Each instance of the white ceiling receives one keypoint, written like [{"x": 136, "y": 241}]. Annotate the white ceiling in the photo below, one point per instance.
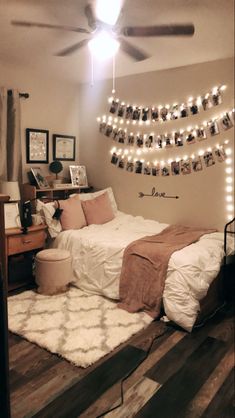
[{"x": 34, "y": 47}]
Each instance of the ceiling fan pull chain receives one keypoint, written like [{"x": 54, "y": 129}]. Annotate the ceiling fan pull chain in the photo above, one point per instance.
[
  {"x": 113, "y": 90},
  {"x": 92, "y": 70}
]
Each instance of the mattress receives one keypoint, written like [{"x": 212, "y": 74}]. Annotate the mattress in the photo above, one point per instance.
[{"x": 97, "y": 252}]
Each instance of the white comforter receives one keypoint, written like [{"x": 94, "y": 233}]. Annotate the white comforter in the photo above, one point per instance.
[{"x": 97, "y": 252}]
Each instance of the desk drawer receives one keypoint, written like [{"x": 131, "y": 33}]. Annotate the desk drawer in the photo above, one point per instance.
[{"x": 21, "y": 243}]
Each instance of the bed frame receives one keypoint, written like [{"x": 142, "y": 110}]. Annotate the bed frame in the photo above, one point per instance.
[{"x": 218, "y": 292}]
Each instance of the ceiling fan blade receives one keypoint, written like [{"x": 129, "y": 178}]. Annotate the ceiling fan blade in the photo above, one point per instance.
[
  {"x": 134, "y": 52},
  {"x": 92, "y": 22},
  {"x": 159, "y": 30},
  {"x": 70, "y": 49},
  {"x": 48, "y": 26}
]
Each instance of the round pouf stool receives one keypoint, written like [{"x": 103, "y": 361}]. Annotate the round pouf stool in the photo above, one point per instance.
[{"x": 53, "y": 271}]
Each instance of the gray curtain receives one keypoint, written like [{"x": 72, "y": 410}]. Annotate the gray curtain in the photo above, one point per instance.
[{"x": 10, "y": 136}]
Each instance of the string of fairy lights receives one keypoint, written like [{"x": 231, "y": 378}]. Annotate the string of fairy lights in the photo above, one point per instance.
[
  {"x": 167, "y": 140},
  {"x": 132, "y": 113},
  {"x": 136, "y": 139}
]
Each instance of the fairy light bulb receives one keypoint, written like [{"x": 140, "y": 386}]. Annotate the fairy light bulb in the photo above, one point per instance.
[
  {"x": 229, "y": 189},
  {"x": 229, "y": 198},
  {"x": 228, "y": 170}
]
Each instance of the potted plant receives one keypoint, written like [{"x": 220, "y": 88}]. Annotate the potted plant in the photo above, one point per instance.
[{"x": 56, "y": 167}]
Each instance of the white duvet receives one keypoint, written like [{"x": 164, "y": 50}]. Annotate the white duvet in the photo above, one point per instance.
[{"x": 97, "y": 252}]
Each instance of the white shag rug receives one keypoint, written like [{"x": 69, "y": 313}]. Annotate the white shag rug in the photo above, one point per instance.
[{"x": 79, "y": 327}]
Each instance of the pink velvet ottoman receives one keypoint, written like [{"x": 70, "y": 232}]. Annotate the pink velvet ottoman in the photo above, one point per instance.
[{"x": 53, "y": 271}]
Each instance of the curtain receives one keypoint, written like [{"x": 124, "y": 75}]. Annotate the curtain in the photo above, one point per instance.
[{"x": 10, "y": 138}]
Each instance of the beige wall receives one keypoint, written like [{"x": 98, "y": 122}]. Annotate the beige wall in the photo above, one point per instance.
[
  {"x": 202, "y": 194},
  {"x": 52, "y": 105}
]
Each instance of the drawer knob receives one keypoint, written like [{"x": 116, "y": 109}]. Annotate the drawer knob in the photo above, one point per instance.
[{"x": 27, "y": 241}]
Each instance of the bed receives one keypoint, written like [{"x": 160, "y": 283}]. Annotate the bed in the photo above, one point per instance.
[{"x": 97, "y": 252}]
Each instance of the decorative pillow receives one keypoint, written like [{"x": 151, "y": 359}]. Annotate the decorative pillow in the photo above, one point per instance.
[
  {"x": 89, "y": 196},
  {"x": 98, "y": 210},
  {"x": 47, "y": 210},
  {"x": 72, "y": 216}
]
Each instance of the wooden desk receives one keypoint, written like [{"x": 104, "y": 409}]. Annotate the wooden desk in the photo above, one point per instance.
[{"x": 17, "y": 243}]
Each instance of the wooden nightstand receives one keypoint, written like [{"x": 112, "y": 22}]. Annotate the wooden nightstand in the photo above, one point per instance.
[{"x": 20, "y": 250}]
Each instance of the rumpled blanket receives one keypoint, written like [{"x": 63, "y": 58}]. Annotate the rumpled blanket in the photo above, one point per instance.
[{"x": 144, "y": 267}]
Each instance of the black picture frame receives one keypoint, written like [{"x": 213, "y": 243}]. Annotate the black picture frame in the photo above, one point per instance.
[
  {"x": 37, "y": 146},
  {"x": 64, "y": 147}
]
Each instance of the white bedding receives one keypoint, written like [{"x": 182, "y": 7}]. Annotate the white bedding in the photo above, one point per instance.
[{"x": 97, "y": 252}]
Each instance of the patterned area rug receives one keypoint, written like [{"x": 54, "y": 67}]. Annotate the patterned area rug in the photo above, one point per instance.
[{"x": 79, "y": 327}]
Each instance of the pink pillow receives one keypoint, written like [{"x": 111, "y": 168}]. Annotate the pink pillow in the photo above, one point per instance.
[
  {"x": 72, "y": 216},
  {"x": 98, "y": 210}
]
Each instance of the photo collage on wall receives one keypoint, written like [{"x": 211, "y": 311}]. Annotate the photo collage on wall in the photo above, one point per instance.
[
  {"x": 174, "y": 139},
  {"x": 166, "y": 112},
  {"x": 174, "y": 168},
  {"x": 138, "y": 143}
]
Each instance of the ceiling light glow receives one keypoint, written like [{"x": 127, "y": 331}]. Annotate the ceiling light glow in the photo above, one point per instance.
[
  {"x": 108, "y": 11},
  {"x": 103, "y": 46}
]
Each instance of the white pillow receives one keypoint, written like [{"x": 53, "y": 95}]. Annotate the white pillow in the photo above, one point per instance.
[
  {"x": 47, "y": 210},
  {"x": 89, "y": 196}
]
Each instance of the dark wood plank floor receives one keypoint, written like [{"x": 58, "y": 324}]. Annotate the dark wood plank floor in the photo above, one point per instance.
[{"x": 184, "y": 375}]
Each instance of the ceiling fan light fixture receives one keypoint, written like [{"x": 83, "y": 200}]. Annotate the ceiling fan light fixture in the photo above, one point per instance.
[
  {"x": 108, "y": 11},
  {"x": 103, "y": 46}
]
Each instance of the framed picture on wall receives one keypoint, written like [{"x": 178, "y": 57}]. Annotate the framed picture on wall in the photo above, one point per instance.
[
  {"x": 64, "y": 147},
  {"x": 37, "y": 146},
  {"x": 78, "y": 175}
]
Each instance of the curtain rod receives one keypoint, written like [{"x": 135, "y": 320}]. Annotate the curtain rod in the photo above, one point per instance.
[{"x": 24, "y": 95}]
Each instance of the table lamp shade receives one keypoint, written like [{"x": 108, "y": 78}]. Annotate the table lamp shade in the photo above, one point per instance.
[{"x": 10, "y": 188}]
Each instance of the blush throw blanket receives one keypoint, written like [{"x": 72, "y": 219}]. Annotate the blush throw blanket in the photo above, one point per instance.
[{"x": 144, "y": 267}]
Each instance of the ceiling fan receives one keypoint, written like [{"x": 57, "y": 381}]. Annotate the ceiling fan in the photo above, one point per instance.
[{"x": 98, "y": 22}]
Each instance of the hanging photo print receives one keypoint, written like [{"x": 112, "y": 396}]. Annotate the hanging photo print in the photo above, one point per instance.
[
  {"x": 208, "y": 159},
  {"x": 190, "y": 138},
  {"x": 183, "y": 111},
  {"x": 139, "y": 140},
  {"x": 136, "y": 113},
  {"x": 148, "y": 141},
  {"x": 121, "y": 136},
  {"x": 156, "y": 170},
  {"x": 102, "y": 127},
  {"x": 131, "y": 139},
  {"x": 114, "y": 158},
  {"x": 226, "y": 122},
  {"x": 145, "y": 113},
  {"x": 206, "y": 103},
  {"x": 130, "y": 166},
  {"x": 194, "y": 108},
  {"x": 175, "y": 168},
  {"x": 121, "y": 110},
  {"x": 220, "y": 154},
  {"x": 121, "y": 162},
  {"x": 174, "y": 112},
  {"x": 200, "y": 133},
  {"x": 197, "y": 164},
  {"x": 213, "y": 127},
  {"x": 216, "y": 98},
  {"x": 178, "y": 138},
  {"x": 168, "y": 141},
  {"x": 154, "y": 114},
  {"x": 114, "y": 106},
  {"x": 163, "y": 113},
  {"x": 185, "y": 166},
  {"x": 108, "y": 130},
  {"x": 147, "y": 169},
  {"x": 138, "y": 167},
  {"x": 129, "y": 112},
  {"x": 165, "y": 170}
]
